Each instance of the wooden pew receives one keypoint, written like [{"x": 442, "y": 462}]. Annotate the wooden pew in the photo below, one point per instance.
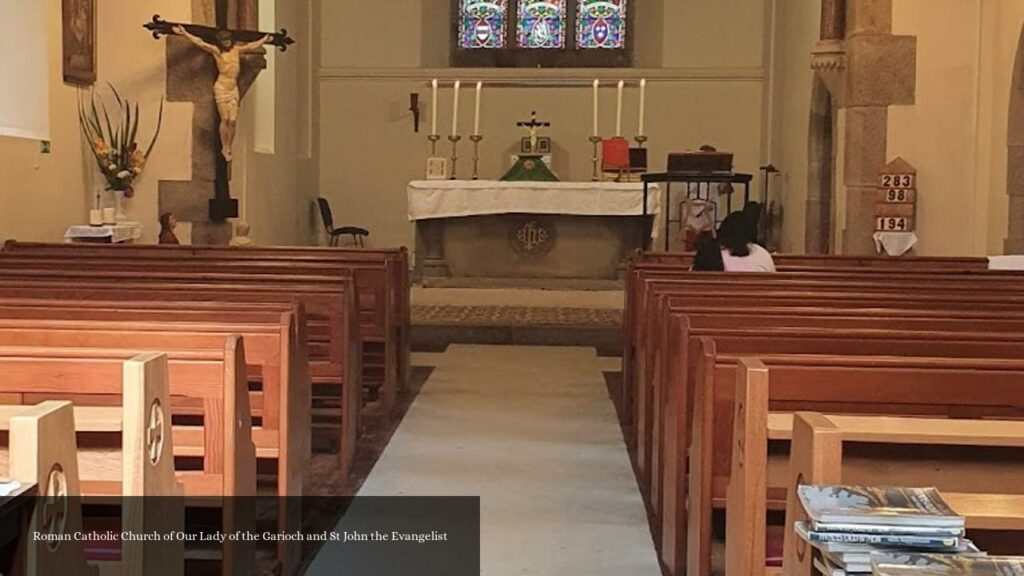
[
  {"x": 95, "y": 380},
  {"x": 678, "y": 436},
  {"x": 661, "y": 261},
  {"x": 333, "y": 345},
  {"x": 641, "y": 271},
  {"x": 755, "y": 476},
  {"x": 382, "y": 276},
  {"x": 329, "y": 304},
  {"x": 760, "y": 290},
  {"x": 676, "y": 363},
  {"x": 42, "y": 450},
  {"x": 933, "y": 380},
  {"x": 816, "y": 458},
  {"x": 649, "y": 384}
]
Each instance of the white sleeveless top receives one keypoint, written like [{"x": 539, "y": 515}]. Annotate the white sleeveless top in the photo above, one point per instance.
[{"x": 759, "y": 260}]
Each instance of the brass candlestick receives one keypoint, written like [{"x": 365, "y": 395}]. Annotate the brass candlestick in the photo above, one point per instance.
[
  {"x": 640, "y": 140},
  {"x": 476, "y": 138},
  {"x": 434, "y": 139},
  {"x": 595, "y": 140},
  {"x": 454, "y": 139}
]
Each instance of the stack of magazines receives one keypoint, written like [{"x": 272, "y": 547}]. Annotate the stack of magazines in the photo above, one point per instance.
[
  {"x": 918, "y": 564},
  {"x": 848, "y": 523}
]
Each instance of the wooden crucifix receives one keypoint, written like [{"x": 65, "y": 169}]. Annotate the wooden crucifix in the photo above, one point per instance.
[{"x": 226, "y": 47}]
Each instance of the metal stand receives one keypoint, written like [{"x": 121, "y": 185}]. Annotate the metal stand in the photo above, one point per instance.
[
  {"x": 476, "y": 138},
  {"x": 594, "y": 141},
  {"x": 454, "y": 139},
  {"x": 640, "y": 140},
  {"x": 434, "y": 139}
]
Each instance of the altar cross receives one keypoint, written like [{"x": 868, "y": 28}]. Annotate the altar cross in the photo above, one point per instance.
[{"x": 533, "y": 126}]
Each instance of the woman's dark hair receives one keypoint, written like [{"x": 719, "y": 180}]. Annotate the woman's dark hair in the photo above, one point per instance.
[
  {"x": 753, "y": 213},
  {"x": 709, "y": 254},
  {"x": 734, "y": 234}
]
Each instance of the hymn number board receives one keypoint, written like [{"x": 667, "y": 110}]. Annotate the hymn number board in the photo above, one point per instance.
[{"x": 896, "y": 202}]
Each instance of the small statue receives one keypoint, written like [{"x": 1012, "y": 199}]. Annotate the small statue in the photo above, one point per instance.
[
  {"x": 167, "y": 225},
  {"x": 228, "y": 56},
  {"x": 241, "y": 238}
]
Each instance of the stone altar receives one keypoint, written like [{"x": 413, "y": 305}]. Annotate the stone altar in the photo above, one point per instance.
[{"x": 528, "y": 233}]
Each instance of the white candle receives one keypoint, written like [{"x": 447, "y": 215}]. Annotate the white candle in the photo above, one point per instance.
[
  {"x": 643, "y": 105},
  {"x": 476, "y": 121},
  {"x": 597, "y": 86},
  {"x": 433, "y": 104},
  {"x": 618, "y": 112},
  {"x": 455, "y": 108}
]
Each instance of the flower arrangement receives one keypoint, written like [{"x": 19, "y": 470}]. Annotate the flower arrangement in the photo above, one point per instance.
[{"x": 117, "y": 153}]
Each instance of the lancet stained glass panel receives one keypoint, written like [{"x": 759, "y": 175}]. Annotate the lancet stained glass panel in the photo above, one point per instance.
[
  {"x": 541, "y": 23},
  {"x": 601, "y": 24},
  {"x": 482, "y": 23}
]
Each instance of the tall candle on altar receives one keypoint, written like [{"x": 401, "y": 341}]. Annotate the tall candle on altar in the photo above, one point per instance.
[
  {"x": 643, "y": 105},
  {"x": 433, "y": 105},
  {"x": 455, "y": 108},
  {"x": 476, "y": 121},
  {"x": 618, "y": 113},
  {"x": 597, "y": 86}
]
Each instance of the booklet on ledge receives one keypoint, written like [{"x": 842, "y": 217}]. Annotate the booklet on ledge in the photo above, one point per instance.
[{"x": 878, "y": 505}]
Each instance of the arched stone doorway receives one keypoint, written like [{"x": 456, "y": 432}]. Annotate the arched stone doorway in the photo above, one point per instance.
[
  {"x": 820, "y": 171},
  {"x": 1015, "y": 158}
]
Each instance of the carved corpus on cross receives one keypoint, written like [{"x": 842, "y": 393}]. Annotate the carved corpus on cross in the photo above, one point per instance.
[
  {"x": 533, "y": 126},
  {"x": 226, "y": 47}
]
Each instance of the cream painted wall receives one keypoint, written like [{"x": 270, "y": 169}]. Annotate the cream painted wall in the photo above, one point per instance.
[
  {"x": 41, "y": 195},
  {"x": 703, "y": 60},
  {"x": 277, "y": 190},
  {"x": 1003, "y": 23},
  {"x": 955, "y": 134},
  {"x": 797, "y": 32}
]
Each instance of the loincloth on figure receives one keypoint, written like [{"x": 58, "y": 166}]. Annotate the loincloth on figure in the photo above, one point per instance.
[{"x": 226, "y": 96}]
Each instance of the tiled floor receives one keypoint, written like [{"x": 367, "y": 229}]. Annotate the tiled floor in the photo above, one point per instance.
[{"x": 531, "y": 431}]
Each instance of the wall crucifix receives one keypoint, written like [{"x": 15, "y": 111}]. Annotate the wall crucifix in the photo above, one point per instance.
[{"x": 227, "y": 48}]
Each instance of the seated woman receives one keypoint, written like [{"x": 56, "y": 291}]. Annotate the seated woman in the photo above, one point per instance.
[
  {"x": 739, "y": 253},
  {"x": 733, "y": 250}
]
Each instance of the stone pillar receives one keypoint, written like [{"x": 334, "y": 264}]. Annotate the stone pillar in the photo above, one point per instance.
[
  {"x": 866, "y": 69},
  {"x": 833, "y": 19},
  {"x": 1015, "y": 158},
  {"x": 820, "y": 171}
]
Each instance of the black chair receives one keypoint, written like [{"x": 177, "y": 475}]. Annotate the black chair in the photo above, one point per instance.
[{"x": 336, "y": 233}]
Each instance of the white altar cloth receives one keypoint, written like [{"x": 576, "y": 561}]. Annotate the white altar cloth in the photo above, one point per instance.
[
  {"x": 432, "y": 199},
  {"x": 118, "y": 233}
]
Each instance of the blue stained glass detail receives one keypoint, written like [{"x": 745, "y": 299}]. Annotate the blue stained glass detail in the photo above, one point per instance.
[
  {"x": 482, "y": 23},
  {"x": 541, "y": 24},
  {"x": 601, "y": 24}
]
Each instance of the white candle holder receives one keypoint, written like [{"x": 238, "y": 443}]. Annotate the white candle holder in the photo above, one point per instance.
[
  {"x": 476, "y": 138},
  {"x": 595, "y": 141},
  {"x": 454, "y": 139}
]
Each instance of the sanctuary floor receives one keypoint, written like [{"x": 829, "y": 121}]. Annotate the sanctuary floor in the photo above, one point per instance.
[{"x": 533, "y": 432}]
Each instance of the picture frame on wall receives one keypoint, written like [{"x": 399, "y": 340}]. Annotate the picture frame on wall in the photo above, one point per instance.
[{"x": 79, "y": 41}]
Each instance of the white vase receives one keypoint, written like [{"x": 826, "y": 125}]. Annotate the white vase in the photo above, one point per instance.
[{"x": 119, "y": 206}]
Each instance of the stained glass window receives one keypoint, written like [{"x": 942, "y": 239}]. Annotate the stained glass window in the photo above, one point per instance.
[
  {"x": 541, "y": 24},
  {"x": 601, "y": 24},
  {"x": 482, "y": 23}
]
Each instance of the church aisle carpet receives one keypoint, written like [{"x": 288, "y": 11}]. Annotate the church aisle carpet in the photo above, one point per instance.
[
  {"x": 532, "y": 431},
  {"x": 514, "y": 316}
]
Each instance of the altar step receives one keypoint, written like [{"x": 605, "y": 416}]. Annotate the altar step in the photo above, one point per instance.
[{"x": 441, "y": 317}]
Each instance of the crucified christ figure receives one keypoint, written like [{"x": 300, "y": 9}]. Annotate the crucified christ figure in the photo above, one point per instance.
[{"x": 228, "y": 56}]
